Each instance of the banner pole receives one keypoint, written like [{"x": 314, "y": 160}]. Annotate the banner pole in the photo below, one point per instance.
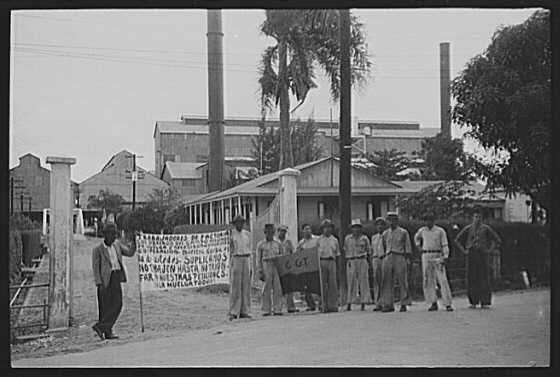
[
  {"x": 140, "y": 291},
  {"x": 321, "y": 283}
]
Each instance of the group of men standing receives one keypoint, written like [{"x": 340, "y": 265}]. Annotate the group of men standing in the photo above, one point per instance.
[{"x": 388, "y": 252}]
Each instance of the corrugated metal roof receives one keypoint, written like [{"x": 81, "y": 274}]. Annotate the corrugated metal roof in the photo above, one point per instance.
[{"x": 184, "y": 170}]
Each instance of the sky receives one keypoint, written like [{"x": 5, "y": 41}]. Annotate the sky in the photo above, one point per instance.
[{"x": 90, "y": 83}]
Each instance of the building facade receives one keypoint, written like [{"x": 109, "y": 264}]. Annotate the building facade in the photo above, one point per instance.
[
  {"x": 187, "y": 140},
  {"x": 31, "y": 194},
  {"x": 115, "y": 177}
]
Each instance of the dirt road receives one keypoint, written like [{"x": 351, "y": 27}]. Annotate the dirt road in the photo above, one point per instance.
[{"x": 515, "y": 332}]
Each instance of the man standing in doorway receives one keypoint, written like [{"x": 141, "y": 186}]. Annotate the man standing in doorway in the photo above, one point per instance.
[
  {"x": 396, "y": 241},
  {"x": 109, "y": 273},
  {"x": 432, "y": 241},
  {"x": 287, "y": 249},
  {"x": 479, "y": 240},
  {"x": 357, "y": 248},
  {"x": 309, "y": 241},
  {"x": 272, "y": 291},
  {"x": 240, "y": 271},
  {"x": 378, "y": 252},
  {"x": 329, "y": 250}
]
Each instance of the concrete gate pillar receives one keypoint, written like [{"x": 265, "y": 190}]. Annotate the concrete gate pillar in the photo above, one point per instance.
[
  {"x": 60, "y": 242},
  {"x": 288, "y": 202}
]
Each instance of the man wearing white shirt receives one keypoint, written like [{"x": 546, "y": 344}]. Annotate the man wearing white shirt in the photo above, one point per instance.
[{"x": 432, "y": 241}]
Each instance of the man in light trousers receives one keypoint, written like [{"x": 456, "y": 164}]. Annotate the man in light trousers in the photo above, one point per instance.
[
  {"x": 432, "y": 241},
  {"x": 357, "y": 248},
  {"x": 272, "y": 291},
  {"x": 377, "y": 254},
  {"x": 240, "y": 271},
  {"x": 329, "y": 253},
  {"x": 398, "y": 248}
]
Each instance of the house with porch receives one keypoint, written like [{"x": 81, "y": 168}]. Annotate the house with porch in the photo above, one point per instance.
[{"x": 317, "y": 196}]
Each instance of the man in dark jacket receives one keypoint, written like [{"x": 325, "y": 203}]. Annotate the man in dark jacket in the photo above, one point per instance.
[{"x": 109, "y": 273}]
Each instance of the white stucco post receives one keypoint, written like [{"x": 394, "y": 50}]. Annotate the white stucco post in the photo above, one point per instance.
[
  {"x": 288, "y": 202},
  {"x": 45, "y": 210},
  {"x": 211, "y": 213},
  {"x": 60, "y": 243},
  {"x": 239, "y": 208}
]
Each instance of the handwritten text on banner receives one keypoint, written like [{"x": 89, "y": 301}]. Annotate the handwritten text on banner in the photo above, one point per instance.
[{"x": 182, "y": 260}]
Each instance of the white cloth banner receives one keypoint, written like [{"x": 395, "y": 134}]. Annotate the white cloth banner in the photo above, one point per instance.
[{"x": 167, "y": 261}]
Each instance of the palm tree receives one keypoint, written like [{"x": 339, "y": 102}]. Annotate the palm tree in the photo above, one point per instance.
[{"x": 304, "y": 39}]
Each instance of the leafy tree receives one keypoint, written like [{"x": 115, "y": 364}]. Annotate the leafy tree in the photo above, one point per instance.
[
  {"x": 447, "y": 200},
  {"x": 445, "y": 159},
  {"x": 302, "y": 137},
  {"x": 106, "y": 200},
  {"x": 503, "y": 98},
  {"x": 387, "y": 163},
  {"x": 304, "y": 39}
]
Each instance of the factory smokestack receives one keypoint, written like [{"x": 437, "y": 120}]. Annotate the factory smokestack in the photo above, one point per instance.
[
  {"x": 445, "y": 92},
  {"x": 215, "y": 100}
]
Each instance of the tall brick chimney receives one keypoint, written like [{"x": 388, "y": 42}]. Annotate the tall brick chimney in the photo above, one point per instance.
[
  {"x": 215, "y": 101},
  {"x": 445, "y": 90}
]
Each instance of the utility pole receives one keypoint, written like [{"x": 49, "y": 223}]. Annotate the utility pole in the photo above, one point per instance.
[
  {"x": 12, "y": 188},
  {"x": 29, "y": 207},
  {"x": 134, "y": 176},
  {"x": 345, "y": 190}
]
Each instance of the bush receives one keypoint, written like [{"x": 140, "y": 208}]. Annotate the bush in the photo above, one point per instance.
[{"x": 16, "y": 256}]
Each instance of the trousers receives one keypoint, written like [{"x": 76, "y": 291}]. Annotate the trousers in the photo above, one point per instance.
[
  {"x": 272, "y": 290},
  {"x": 109, "y": 303},
  {"x": 377, "y": 271},
  {"x": 357, "y": 278},
  {"x": 330, "y": 288},
  {"x": 240, "y": 286},
  {"x": 434, "y": 273},
  {"x": 394, "y": 269},
  {"x": 478, "y": 278}
]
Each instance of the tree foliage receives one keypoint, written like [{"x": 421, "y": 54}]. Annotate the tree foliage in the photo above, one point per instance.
[
  {"x": 503, "y": 98},
  {"x": 445, "y": 159},
  {"x": 302, "y": 137},
  {"x": 447, "y": 200},
  {"x": 304, "y": 39},
  {"x": 106, "y": 200},
  {"x": 387, "y": 163}
]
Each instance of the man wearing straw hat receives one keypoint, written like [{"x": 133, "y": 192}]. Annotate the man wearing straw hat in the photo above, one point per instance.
[
  {"x": 287, "y": 249},
  {"x": 109, "y": 273},
  {"x": 396, "y": 241},
  {"x": 328, "y": 250},
  {"x": 240, "y": 270},
  {"x": 268, "y": 249},
  {"x": 377, "y": 254},
  {"x": 357, "y": 248}
]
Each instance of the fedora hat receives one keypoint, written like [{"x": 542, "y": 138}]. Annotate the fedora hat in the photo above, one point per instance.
[
  {"x": 325, "y": 223},
  {"x": 237, "y": 219},
  {"x": 380, "y": 220},
  {"x": 283, "y": 227},
  {"x": 392, "y": 214}
]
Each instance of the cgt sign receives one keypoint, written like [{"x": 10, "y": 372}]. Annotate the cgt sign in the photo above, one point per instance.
[{"x": 297, "y": 263}]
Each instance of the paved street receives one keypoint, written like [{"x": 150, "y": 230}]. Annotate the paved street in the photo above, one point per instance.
[{"x": 515, "y": 332}]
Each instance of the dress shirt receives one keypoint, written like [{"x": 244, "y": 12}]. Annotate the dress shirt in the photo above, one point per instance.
[
  {"x": 352, "y": 246},
  {"x": 308, "y": 243},
  {"x": 397, "y": 241},
  {"x": 377, "y": 245},
  {"x": 328, "y": 247},
  {"x": 287, "y": 246},
  {"x": 240, "y": 242},
  {"x": 267, "y": 250},
  {"x": 433, "y": 239},
  {"x": 478, "y": 237},
  {"x": 115, "y": 265}
]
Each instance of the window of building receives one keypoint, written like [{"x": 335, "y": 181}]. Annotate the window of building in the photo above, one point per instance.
[
  {"x": 168, "y": 157},
  {"x": 370, "y": 211},
  {"x": 321, "y": 209}
]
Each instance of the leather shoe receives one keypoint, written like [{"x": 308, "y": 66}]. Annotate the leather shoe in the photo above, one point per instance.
[
  {"x": 310, "y": 309},
  {"x": 387, "y": 310},
  {"x": 293, "y": 311},
  {"x": 266, "y": 314},
  {"x": 232, "y": 317},
  {"x": 98, "y": 332},
  {"x": 449, "y": 308},
  {"x": 377, "y": 308},
  {"x": 432, "y": 308},
  {"x": 245, "y": 316},
  {"x": 403, "y": 308},
  {"x": 111, "y": 335},
  {"x": 278, "y": 313},
  {"x": 349, "y": 307}
]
